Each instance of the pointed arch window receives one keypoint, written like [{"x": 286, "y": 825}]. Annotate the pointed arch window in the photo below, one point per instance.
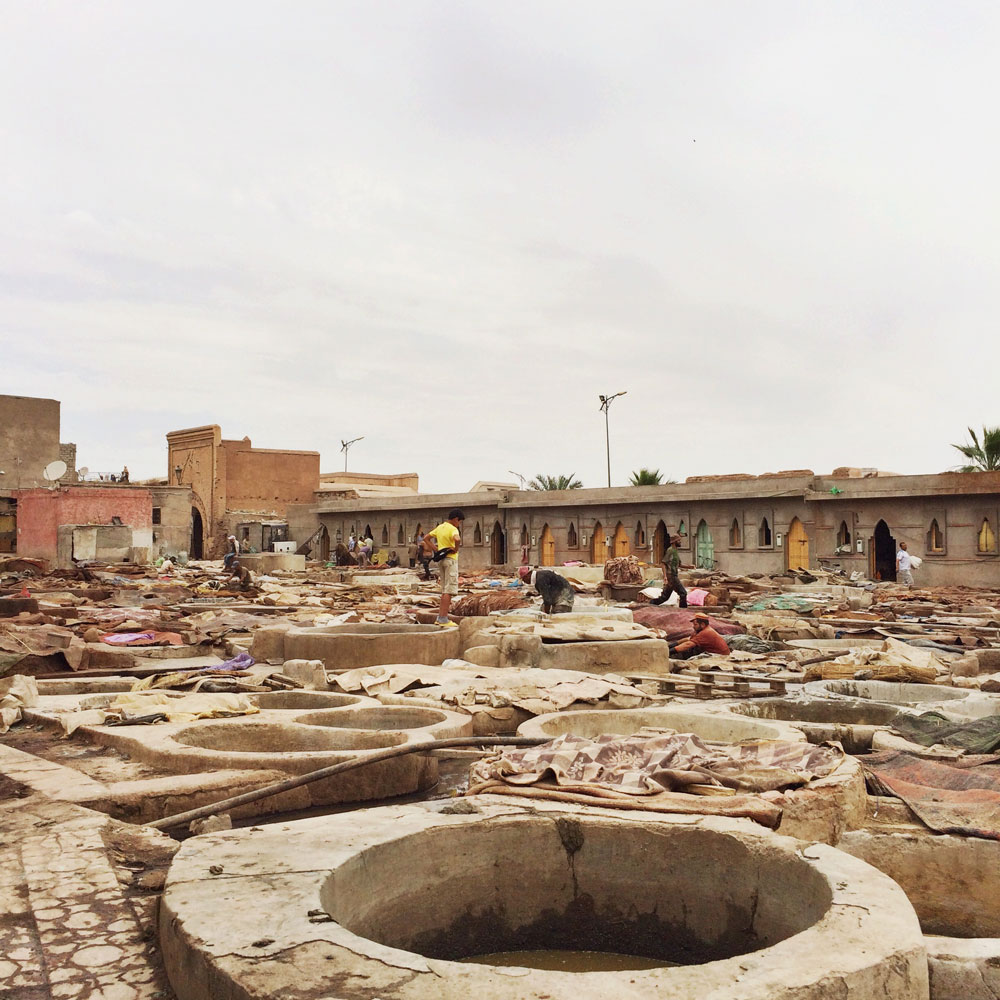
[
  {"x": 986, "y": 541},
  {"x": 524, "y": 534},
  {"x": 843, "y": 536},
  {"x": 935, "y": 537},
  {"x": 571, "y": 540},
  {"x": 640, "y": 535},
  {"x": 477, "y": 535},
  {"x": 385, "y": 534},
  {"x": 735, "y": 534},
  {"x": 765, "y": 538},
  {"x": 400, "y": 536}
]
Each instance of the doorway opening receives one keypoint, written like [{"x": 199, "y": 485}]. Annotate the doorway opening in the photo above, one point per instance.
[
  {"x": 598, "y": 545},
  {"x": 882, "y": 562},
  {"x": 621, "y": 546},
  {"x": 660, "y": 541},
  {"x": 197, "y": 535},
  {"x": 548, "y": 546},
  {"x": 704, "y": 547},
  {"x": 498, "y": 545},
  {"x": 796, "y": 546}
]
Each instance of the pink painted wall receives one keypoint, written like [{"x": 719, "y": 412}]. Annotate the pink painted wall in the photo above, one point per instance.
[{"x": 40, "y": 512}]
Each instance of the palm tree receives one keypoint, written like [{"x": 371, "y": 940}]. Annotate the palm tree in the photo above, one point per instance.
[
  {"x": 541, "y": 482},
  {"x": 983, "y": 457},
  {"x": 646, "y": 477}
]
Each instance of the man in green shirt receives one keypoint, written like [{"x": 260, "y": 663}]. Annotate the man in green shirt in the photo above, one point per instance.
[{"x": 671, "y": 574}]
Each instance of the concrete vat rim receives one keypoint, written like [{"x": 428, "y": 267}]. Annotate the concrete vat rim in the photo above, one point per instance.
[
  {"x": 621, "y": 721},
  {"x": 867, "y": 942}
]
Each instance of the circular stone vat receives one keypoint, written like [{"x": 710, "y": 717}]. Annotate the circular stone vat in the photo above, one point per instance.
[
  {"x": 851, "y": 723},
  {"x": 743, "y": 913},
  {"x": 952, "y": 883},
  {"x": 381, "y": 718},
  {"x": 105, "y": 700},
  {"x": 346, "y": 647},
  {"x": 822, "y": 810},
  {"x": 486, "y": 903},
  {"x": 886, "y": 691},
  {"x": 717, "y": 727},
  {"x": 84, "y": 686},
  {"x": 862, "y": 713},
  {"x": 835, "y": 645},
  {"x": 284, "y": 700},
  {"x": 268, "y": 738}
]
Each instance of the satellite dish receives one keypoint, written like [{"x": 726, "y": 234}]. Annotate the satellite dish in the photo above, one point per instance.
[
  {"x": 54, "y": 471},
  {"x": 83, "y": 473}
]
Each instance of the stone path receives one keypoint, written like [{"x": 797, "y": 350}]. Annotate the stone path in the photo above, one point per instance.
[{"x": 73, "y": 922}]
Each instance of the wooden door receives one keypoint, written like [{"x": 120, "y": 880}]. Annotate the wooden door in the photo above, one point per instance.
[
  {"x": 620, "y": 544},
  {"x": 660, "y": 542},
  {"x": 796, "y": 546},
  {"x": 8, "y": 532},
  {"x": 704, "y": 547},
  {"x": 548, "y": 547},
  {"x": 598, "y": 546}
]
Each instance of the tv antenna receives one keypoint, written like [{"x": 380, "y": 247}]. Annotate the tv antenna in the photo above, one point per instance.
[{"x": 344, "y": 445}]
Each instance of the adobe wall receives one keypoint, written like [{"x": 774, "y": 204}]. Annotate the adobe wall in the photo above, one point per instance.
[
  {"x": 197, "y": 454},
  {"x": 400, "y": 527},
  {"x": 407, "y": 479},
  {"x": 29, "y": 440},
  {"x": 908, "y": 504},
  {"x": 41, "y": 513},
  {"x": 173, "y": 533},
  {"x": 909, "y": 520},
  {"x": 265, "y": 480}
]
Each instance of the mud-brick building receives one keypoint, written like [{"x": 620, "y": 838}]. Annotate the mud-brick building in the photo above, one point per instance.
[
  {"x": 85, "y": 522},
  {"x": 29, "y": 443},
  {"x": 236, "y": 488},
  {"x": 738, "y": 524}
]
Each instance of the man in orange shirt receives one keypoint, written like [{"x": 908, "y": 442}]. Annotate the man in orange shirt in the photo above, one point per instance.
[{"x": 704, "y": 640}]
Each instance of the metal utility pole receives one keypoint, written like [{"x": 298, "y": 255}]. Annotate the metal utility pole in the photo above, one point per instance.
[
  {"x": 344, "y": 445},
  {"x": 606, "y": 402},
  {"x": 519, "y": 476}
]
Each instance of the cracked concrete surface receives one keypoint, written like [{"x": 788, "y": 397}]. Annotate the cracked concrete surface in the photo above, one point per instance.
[{"x": 72, "y": 923}]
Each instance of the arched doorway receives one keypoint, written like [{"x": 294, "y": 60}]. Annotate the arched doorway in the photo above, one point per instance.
[
  {"x": 598, "y": 545},
  {"x": 197, "y": 535},
  {"x": 660, "y": 542},
  {"x": 797, "y": 546},
  {"x": 498, "y": 545},
  {"x": 620, "y": 546},
  {"x": 704, "y": 547},
  {"x": 548, "y": 547},
  {"x": 324, "y": 544},
  {"x": 882, "y": 553}
]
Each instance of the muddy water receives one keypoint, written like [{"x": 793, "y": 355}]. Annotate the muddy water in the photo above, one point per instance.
[{"x": 570, "y": 961}]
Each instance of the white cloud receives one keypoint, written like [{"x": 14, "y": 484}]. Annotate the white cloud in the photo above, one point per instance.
[{"x": 448, "y": 227}]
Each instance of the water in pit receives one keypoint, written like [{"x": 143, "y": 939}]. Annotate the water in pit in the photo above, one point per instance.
[{"x": 570, "y": 961}]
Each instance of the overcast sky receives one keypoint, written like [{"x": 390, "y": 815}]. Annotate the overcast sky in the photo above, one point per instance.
[{"x": 449, "y": 227}]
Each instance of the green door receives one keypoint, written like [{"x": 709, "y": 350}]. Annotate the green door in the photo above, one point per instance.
[{"x": 704, "y": 557}]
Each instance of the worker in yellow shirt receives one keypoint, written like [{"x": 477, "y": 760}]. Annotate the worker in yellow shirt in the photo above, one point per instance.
[{"x": 447, "y": 540}]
